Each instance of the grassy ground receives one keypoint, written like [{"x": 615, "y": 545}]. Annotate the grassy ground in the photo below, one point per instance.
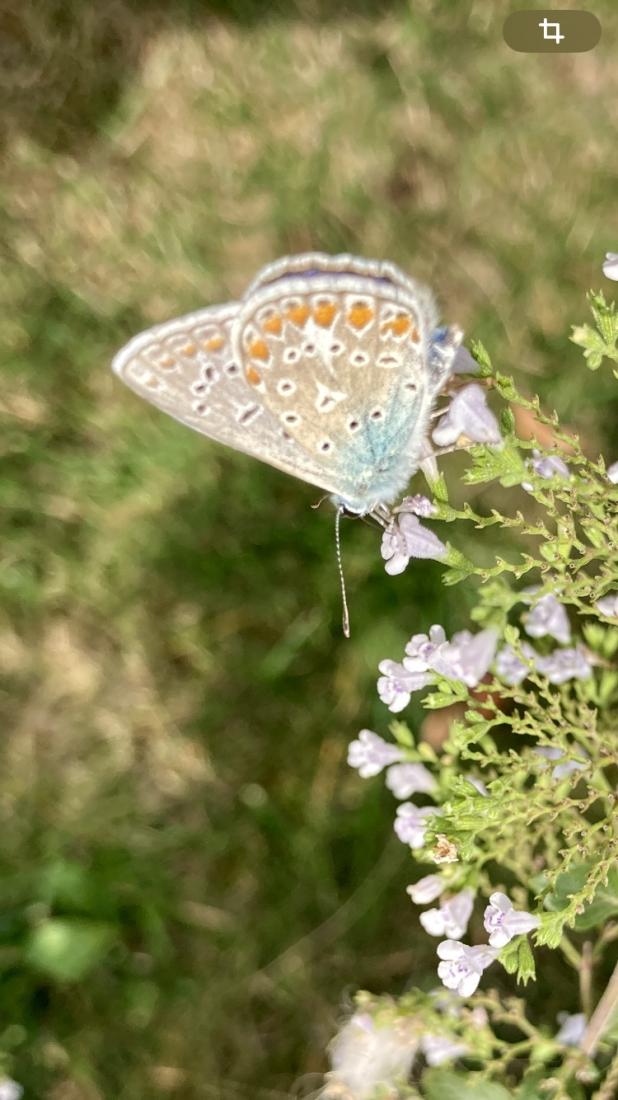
[{"x": 176, "y": 693}]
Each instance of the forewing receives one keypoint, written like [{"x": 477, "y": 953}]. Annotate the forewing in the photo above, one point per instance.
[{"x": 187, "y": 368}]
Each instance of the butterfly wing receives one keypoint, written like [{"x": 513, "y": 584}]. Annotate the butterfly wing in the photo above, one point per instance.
[
  {"x": 339, "y": 350},
  {"x": 187, "y": 368}
]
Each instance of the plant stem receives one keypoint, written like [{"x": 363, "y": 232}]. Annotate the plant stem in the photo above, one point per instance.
[
  {"x": 585, "y": 978},
  {"x": 601, "y": 1016}
]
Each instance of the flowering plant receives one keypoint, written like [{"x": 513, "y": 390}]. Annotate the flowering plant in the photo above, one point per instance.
[{"x": 512, "y": 819}]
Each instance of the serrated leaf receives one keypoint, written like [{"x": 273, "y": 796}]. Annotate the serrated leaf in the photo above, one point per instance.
[
  {"x": 569, "y": 883},
  {"x": 439, "y": 489},
  {"x": 489, "y": 464},
  {"x": 508, "y": 957},
  {"x": 550, "y": 931},
  {"x": 507, "y": 422},
  {"x": 438, "y": 699},
  {"x": 603, "y": 905},
  {"x": 526, "y": 970},
  {"x": 480, "y": 353}
]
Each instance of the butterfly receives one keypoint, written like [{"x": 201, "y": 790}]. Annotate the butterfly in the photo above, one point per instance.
[{"x": 328, "y": 368}]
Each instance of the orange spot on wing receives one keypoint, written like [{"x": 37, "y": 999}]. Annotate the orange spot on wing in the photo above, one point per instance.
[
  {"x": 298, "y": 315},
  {"x": 253, "y": 376},
  {"x": 166, "y": 362},
  {"x": 259, "y": 350},
  {"x": 214, "y": 343},
  {"x": 190, "y": 350},
  {"x": 272, "y": 324},
  {"x": 324, "y": 313},
  {"x": 359, "y": 315},
  {"x": 398, "y": 326},
  {"x": 415, "y": 335}
]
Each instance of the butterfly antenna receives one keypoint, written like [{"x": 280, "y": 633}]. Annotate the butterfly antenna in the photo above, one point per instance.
[{"x": 346, "y": 613}]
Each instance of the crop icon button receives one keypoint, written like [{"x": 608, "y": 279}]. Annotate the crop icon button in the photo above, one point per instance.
[{"x": 557, "y": 31}]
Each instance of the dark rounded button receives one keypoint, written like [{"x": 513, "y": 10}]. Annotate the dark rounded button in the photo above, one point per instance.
[{"x": 557, "y": 31}]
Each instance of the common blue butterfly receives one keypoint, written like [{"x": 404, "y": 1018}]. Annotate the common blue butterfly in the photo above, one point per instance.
[{"x": 328, "y": 368}]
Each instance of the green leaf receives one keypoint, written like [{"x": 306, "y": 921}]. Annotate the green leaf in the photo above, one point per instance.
[
  {"x": 441, "y": 1084},
  {"x": 508, "y": 957},
  {"x": 439, "y": 489},
  {"x": 526, "y": 969},
  {"x": 594, "y": 346},
  {"x": 489, "y": 464},
  {"x": 67, "y": 950},
  {"x": 507, "y": 422},
  {"x": 603, "y": 905},
  {"x": 550, "y": 931},
  {"x": 402, "y": 734},
  {"x": 569, "y": 883},
  {"x": 439, "y": 699},
  {"x": 480, "y": 353}
]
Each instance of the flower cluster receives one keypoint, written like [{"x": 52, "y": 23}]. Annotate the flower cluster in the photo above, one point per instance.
[
  {"x": 467, "y": 658},
  {"x": 508, "y": 798}
]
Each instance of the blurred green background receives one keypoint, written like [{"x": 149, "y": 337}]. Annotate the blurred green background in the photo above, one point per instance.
[{"x": 192, "y": 881}]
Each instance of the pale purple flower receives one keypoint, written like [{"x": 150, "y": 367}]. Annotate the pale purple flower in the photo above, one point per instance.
[
  {"x": 419, "y": 505},
  {"x": 411, "y": 823},
  {"x": 405, "y": 538},
  {"x": 610, "y": 266},
  {"x": 462, "y": 966},
  {"x": 612, "y": 473},
  {"x": 370, "y": 753},
  {"x": 467, "y": 657},
  {"x": 468, "y": 415},
  {"x": 548, "y": 617},
  {"x": 464, "y": 363},
  {"x": 451, "y": 918},
  {"x": 572, "y": 1028},
  {"x": 550, "y": 752},
  {"x": 366, "y": 1054},
  {"x": 10, "y": 1090},
  {"x": 423, "y": 646},
  {"x": 478, "y": 785},
  {"x": 439, "y": 1049},
  {"x": 560, "y": 771},
  {"x": 426, "y": 890},
  {"x": 406, "y": 779},
  {"x": 549, "y": 466},
  {"x": 397, "y": 683},
  {"x": 608, "y": 605},
  {"x": 509, "y": 665},
  {"x": 565, "y": 664},
  {"x": 503, "y": 922}
]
